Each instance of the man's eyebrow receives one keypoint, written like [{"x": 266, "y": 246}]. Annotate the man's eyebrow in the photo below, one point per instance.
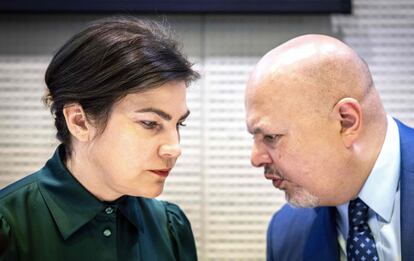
[
  {"x": 257, "y": 130},
  {"x": 162, "y": 113},
  {"x": 253, "y": 131}
]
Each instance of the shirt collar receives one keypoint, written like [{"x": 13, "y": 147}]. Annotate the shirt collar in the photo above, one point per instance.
[
  {"x": 379, "y": 190},
  {"x": 70, "y": 204}
]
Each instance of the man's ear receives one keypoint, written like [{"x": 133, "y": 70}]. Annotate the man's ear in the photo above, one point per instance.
[
  {"x": 349, "y": 113},
  {"x": 77, "y": 122}
]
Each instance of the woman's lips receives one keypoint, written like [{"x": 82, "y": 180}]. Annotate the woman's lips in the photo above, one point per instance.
[{"x": 162, "y": 173}]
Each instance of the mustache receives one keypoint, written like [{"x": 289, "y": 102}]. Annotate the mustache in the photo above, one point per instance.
[{"x": 272, "y": 171}]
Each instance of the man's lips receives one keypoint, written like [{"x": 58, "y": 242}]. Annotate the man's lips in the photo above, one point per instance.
[
  {"x": 161, "y": 172},
  {"x": 276, "y": 179},
  {"x": 277, "y": 183}
]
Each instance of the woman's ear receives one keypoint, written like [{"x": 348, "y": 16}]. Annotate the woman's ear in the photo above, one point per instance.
[
  {"x": 77, "y": 122},
  {"x": 349, "y": 113}
]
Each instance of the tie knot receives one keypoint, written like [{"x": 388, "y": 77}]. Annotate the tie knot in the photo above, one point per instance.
[{"x": 357, "y": 212}]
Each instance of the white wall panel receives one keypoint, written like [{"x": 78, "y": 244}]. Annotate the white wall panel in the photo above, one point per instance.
[
  {"x": 382, "y": 31},
  {"x": 26, "y": 130}
]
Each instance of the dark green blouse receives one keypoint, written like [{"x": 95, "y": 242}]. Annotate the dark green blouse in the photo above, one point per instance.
[{"x": 49, "y": 215}]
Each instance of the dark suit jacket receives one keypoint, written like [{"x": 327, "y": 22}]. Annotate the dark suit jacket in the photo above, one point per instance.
[{"x": 311, "y": 234}]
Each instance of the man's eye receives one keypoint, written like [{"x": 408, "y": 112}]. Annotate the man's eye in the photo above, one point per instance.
[
  {"x": 149, "y": 124},
  {"x": 270, "y": 138}
]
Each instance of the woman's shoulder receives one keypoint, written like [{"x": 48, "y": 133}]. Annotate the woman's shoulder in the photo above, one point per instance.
[
  {"x": 170, "y": 213},
  {"x": 170, "y": 210},
  {"x": 179, "y": 228},
  {"x": 20, "y": 188}
]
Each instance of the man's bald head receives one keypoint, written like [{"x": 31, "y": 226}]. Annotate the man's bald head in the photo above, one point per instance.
[
  {"x": 316, "y": 118},
  {"x": 320, "y": 68}
]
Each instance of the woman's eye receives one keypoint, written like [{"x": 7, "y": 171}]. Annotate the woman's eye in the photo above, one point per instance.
[
  {"x": 149, "y": 124},
  {"x": 181, "y": 124}
]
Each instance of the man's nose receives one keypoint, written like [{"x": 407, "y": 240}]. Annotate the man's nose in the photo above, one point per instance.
[{"x": 259, "y": 156}]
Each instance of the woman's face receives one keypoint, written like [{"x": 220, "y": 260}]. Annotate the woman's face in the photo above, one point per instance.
[{"x": 140, "y": 144}]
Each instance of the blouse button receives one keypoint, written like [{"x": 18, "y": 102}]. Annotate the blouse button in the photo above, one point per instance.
[
  {"x": 109, "y": 210},
  {"x": 107, "y": 232}
]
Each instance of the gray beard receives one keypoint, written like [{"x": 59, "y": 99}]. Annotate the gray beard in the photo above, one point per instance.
[{"x": 302, "y": 199}]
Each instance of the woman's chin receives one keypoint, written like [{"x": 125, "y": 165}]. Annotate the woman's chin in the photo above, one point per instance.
[{"x": 149, "y": 193}]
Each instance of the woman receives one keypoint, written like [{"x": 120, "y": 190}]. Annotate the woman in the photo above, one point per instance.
[{"x": 117, "y": 91}]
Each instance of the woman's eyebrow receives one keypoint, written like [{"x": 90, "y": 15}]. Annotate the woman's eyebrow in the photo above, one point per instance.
[
  {"x": 185, "y": 115},
  {"x": 162, "y": 113},
  {"x": 159, "y": 112}
]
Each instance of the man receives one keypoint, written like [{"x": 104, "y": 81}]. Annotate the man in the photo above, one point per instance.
[{"x": 323, "y": 137}]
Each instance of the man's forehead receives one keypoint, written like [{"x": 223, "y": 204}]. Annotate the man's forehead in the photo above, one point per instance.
[
  {"x": 260, "y": 110},
  {"x": 265, "y": 123},
  {"x": 256, "y": 124},
  {"x": 264, "y": 95}
]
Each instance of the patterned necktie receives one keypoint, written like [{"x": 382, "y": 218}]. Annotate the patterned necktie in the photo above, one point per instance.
[{"x": 360, "y": 244}]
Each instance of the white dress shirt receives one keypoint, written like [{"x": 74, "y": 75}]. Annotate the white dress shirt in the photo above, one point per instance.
[{"x": 381, "y": 193}]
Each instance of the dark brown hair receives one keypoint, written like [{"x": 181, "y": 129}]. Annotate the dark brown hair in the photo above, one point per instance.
[{"x": 108, "y": 60}]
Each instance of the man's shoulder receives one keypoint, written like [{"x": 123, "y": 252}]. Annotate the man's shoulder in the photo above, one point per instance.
[
  {"x": 407, "y": 147},
  {"x": 290, "y": 220},
  {"x": 294, "y": 227},
  {"x": 405, "y": 130}
]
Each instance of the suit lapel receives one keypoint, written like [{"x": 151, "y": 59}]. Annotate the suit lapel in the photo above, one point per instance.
[
  {"x": 322, "y": 243},
  {"x": 407, "y": 191}
]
